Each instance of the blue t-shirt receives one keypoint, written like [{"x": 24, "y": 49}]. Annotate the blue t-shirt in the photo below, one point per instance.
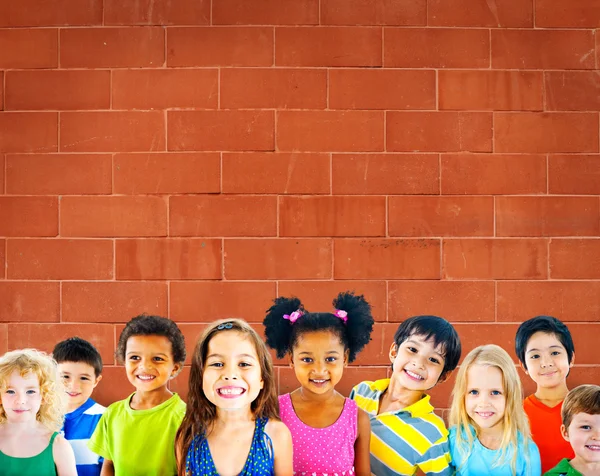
[
  {"x": 482, "y": 460},
  {"x": 78, "y": 429}
]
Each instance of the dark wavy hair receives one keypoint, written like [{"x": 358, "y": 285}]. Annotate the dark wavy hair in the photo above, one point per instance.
[
  {"x": 76, "y": 349},
  {"x": 201, "y": 412},
  {"x": 282, "y": 335}
]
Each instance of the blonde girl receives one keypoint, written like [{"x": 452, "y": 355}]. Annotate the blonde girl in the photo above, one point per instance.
[
  {"x": 31, "y": 416},
  {"x": 489, "y": 431}
]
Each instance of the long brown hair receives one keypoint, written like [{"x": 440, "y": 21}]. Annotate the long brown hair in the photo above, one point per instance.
[{"x": 201, "y": 412}]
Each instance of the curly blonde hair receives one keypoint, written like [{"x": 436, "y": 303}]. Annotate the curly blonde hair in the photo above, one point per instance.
[{"x": 40, "y": 364}]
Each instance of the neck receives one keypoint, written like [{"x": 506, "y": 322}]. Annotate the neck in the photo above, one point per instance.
[
  {"x": 21, "y": 428},
  {"x": 73, "y": 406},
  {"x": 552, "y": 395},
  {"x": 397, "y": 396},
  {"x": 585, "y": 467},
  {"x": 491, "y": 437},
  {"x": 309, "y": 396},
  {"x": 234, "y": 417},
  {"x": 144, "y": 400}
]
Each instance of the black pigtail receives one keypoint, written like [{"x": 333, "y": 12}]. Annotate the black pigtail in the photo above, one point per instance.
[
  {"x": 359, "y": 325},
  {"x": 278, "y": 330}
]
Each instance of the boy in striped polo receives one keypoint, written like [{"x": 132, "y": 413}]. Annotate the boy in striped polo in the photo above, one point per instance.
[
  {"x": 406, "y": 434},
  {"x": 80, "y": 367}
]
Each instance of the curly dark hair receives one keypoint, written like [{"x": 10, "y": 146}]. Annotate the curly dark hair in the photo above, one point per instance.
[
  {"x": 145, "y": 325},
  {"x": 282, "y": 335}
]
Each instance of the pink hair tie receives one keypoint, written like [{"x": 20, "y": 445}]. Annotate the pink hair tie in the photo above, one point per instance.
[
  {"x": 343, "y": 315},
  {"x": 293, "y": 317}
]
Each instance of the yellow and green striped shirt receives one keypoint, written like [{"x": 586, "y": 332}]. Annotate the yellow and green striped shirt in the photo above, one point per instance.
[{"x": 404, "y": 440}]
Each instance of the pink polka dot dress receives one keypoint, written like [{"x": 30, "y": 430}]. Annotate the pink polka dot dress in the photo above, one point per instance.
[{"x": 322, "y": 451}]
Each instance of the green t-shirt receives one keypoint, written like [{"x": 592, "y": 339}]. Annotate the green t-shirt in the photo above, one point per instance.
[
  {"x": 139, "y": 442},
  {"x": 563, "y": 468}
]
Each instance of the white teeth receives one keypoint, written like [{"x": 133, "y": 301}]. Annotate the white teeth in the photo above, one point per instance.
[
  {"x": 319, "y": 381},
  {"x": 594, "y": 447},
  {"x": 231, "y": 391},
  {"x": 485, "y": 414},
  {"x": 145, "y": 377},
  {"x": 414, "y": 375}
]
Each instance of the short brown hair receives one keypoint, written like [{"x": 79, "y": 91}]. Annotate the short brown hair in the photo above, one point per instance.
[{"x": 582, "y": 399}]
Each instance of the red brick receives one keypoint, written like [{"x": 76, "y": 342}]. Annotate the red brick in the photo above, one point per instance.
[
  {"x": 574, "y": 259},
  {"x": 112, "y": 302},
  {"x": 491, "y": 90},
  {"x": 332, "y": 216},
  {"x": 31, "y": 90},
  {"x": 381, "y": 89},
  {"x": 206, "y": 215},
  {"x": 545, "y": 132},
  {"x": 387, "y": 174},
  {"x": 566, "y": 300},
  {"x": 167, "y": 173},
  {"x": 58, "y": 174},
  {"x": 220, "y": 300},
  {"x": 112, "y": 131},
  {"x": 2, "y": 174},
  {"x": 28, "y": 131},
  {"x": 59, "y": 259},
  {"x": 3, "y": 338},
  {"x": 436, "y": 48},
  {"x": 495, "y": 259},
  {"x": 378, "y": 350},
  {"x": 28, "y": 48},
  {"x": 113, "y": 216},
  {"x": 157, "y": 12},
  {"x": 567, "y": 13},
  {"x": 496, "y": 174},
  {"x": 265, "y": 12},
  {"x": 585, "y": 338},
  {"x": 547, "y": 216},
  {"x": 328, "y": 46},
  {"x": 584, "y": 375},
  {"x": 439, "y": 131},
  {"x": 473, "y": 336},
  {"x": 28, "y": 216},
  {"x": 454, "y": 300},
  {"x": 215, "y": 46},
  {"x": 352, "y": 376},
  {"x": 112, "y": 47},
  {"x": 3, "y": 261},
  {"x": 221, "y": 130},
  {"x": 168, "y": 259},
  {"x": 574, "y": 174},
  {"x": 374, "y": 12},
  {"x": 572, "y": 90},
  {"x": 166, "y": 88},
  {"x": 280, "y": 173},
  {"x": 51, "y": 13},
  {"x": 273, "y": 88},
  {"x": 330, "y": 130},
  {"x": 2, "y": 91},
  {"x": 45, "y": 336},
  {"x": 542, "y": 49},
  {"x": 191, "y": 334},
  {"x": 441, "y": 216},
  {"x": 318, "y": 295},
  {"x": 387, "y": 259},
  {"x": 29, "y": 301},
  {"x": 180, "y": 383},
  {"x": 512, "y": 13},
  {"x": 114, "y": 386},
  {"x": 278, "y": 259}
]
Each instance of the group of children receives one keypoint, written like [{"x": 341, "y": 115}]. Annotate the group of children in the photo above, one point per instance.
[{"x": 234, "y": 423}]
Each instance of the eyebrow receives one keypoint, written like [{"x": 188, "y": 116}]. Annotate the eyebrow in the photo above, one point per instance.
[
  {"x": 537, "y": 350},
  {"x": 139, "y": 352},
  {"x": 219, "y": 356},
  {"x": 69, "y": 373},
  {"x": 420, "y": 343},
  {"x": 328, "y": 352}
]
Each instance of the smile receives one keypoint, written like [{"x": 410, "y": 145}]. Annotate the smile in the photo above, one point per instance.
[
  {"x": 413, "y": 375},
  {"x": 231, "y": 392},
  {"x": 593, "y": 447},
  {"x": 319, "y": 381},
  {"x": 485, "y": 415},
  {"x": 145, "y": 378},
  {"x": 20, "y": 411},
  {"x": 73, "y": 394}
]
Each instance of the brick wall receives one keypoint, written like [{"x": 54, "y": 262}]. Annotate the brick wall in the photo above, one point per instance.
[{"x": 196, "y": 159}]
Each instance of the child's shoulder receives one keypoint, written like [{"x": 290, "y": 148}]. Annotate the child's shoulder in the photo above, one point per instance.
[
  {"x": 277, "y": 430},
  {"x": 369, "y": 388}
]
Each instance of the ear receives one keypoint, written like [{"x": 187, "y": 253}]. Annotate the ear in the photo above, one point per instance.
[
  {"x": 523, "y": 367},
  {"x": 444, "y": 377},
  {"x": 98, "y": 378},
  {"x": 393, "y": 352},
  {"x": 346, "y": 357},
  {"x": 564, "y": 432},
  {"x": 572, "y": 360},
  {"x": 176, "y": 369}
]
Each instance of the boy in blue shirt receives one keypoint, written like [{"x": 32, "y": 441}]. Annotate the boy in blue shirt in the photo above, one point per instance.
[{"x": 80, "y": 368}]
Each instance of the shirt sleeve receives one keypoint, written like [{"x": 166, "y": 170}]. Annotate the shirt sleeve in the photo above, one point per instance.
[
  {"x": 352, "y": 393},
  {"x": 98, "y": 443},
  {"x": 436, "y": 460}
]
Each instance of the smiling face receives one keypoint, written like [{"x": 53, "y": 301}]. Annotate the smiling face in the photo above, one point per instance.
[
  {"x": 546, "y": 360},
  {"x": 149, "y": 362},
  {"x": 22, "y": 398},
  {"x": 485, "y": 400},
  {"x": 417, "y": 363},
  {"x": 232, "y": 377},
  {"x": 79, "y": 380},
  {"x": 584, "y": 435},
  {"x": 318, "y": 360}
]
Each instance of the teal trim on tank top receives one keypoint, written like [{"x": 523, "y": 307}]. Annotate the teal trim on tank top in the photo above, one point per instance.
[{"x": 41, "y": 464}]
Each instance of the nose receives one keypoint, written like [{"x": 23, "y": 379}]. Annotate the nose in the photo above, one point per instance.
[
  {"x": 418, "y": 361},
  {"x": 546, "y": 361}
]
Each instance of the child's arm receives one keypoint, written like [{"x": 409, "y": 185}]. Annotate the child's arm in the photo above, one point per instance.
[
  {"x": 108, "y": 469},
  {"x": 64, "y": 458},
  {"x": 282, "y": 447},
  {"x": 362, "y": 452}
]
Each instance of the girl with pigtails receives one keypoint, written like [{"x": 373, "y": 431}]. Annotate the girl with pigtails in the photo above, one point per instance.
[{"x": 330, "y": 434}]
